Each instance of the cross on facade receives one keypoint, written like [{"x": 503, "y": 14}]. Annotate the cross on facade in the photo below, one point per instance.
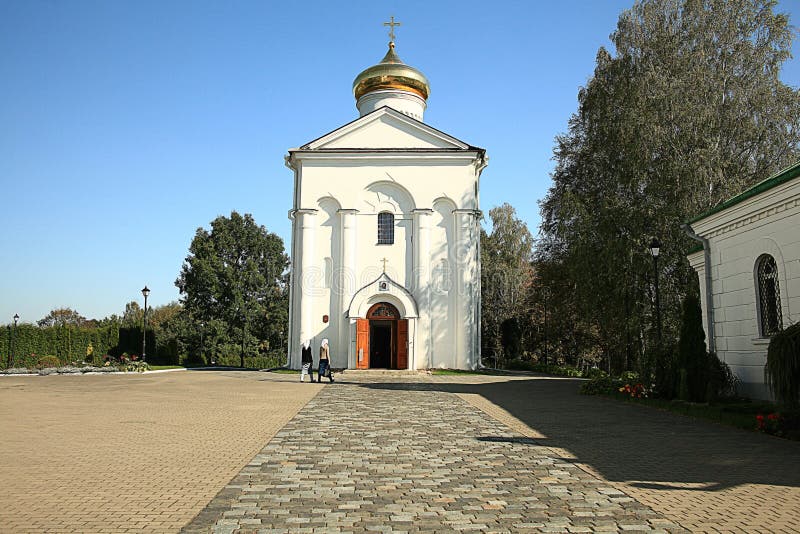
[
  {"x": 391, "y": 25},
  {"x": 384, "y": 260}
]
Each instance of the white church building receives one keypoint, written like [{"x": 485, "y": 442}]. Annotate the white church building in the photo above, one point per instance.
[
  {"x": 385, "y": 234},
  {"x": 749, "y": 271}
]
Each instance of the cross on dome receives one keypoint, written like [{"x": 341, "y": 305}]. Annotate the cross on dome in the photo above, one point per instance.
[{"x": 391, "y": 25}]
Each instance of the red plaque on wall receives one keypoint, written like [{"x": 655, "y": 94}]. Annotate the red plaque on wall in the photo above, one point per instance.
[{"x": 324, "y": 318}]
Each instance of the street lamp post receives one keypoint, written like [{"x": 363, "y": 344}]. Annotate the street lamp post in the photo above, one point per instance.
[
  {"x": 13, "y": 352},
  {"x": 546, "y": 355},
  {"x": 655, "y": 250},
  {"x": 145, "y": 292},
  {"x": 244, "y": 332},
  {"x": 660, "y": 370}
]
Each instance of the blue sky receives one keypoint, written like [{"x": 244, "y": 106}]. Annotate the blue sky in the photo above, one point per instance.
[{"x": 125, "y": 126}]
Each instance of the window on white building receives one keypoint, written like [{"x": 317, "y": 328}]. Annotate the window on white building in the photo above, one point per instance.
[
  {"x": 769, "y": 296},
  {"x": 385, "y": 228}
]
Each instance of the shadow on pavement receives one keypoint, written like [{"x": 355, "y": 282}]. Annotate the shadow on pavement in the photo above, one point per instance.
[{"x": 642, "y": 446}]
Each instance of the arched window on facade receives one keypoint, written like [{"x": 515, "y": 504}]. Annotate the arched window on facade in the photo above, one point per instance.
[
  {"x": 769, "y": 296},
  {"x": 385, "y": 228}
]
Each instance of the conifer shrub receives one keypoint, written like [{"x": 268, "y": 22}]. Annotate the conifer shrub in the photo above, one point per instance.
[
  {"x": 692, "y": 354},
  {"x": 782, "y": 372}
]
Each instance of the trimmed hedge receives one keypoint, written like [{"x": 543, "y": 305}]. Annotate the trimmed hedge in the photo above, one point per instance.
[
  {"x": 71, "y": 344},
  {"x": 67, "y": 343}
]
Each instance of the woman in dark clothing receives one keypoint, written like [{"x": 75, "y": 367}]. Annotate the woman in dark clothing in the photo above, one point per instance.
[
  {"x": 307, "y": 359},
  {"x": 324, "y": 362}
]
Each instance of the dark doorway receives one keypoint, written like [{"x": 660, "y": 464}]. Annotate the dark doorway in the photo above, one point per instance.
[{"x": 380, "y": 344}]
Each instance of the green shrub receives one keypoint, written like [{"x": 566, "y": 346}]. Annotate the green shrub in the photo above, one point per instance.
[
  {"x": 193, "y": 359},
  {"x": 520, "y": 365},
  {"x": 722, "y": 383},
  {"x": 253, "y": 362},
  {"x": 782, "y": 372},
  {"x": 47, "y": 361},
  {"x": 595, "y": 373},
  {"x": 629, "y": 377},
  {"x": 602, "y": 385}
]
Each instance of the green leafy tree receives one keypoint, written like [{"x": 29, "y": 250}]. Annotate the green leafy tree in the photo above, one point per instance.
[
  {"x": 506, "y": 274},
  {"x": 133, "y": 315},
  {"x": 236, "y": 274},
  {"x": 62, "y": 317},
  {"x": 688, "y": 112}
]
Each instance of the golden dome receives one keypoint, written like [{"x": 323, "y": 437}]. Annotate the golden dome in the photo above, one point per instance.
[{"x": 391, "y": 73}]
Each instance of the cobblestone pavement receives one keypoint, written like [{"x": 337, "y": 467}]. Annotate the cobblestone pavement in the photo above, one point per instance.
[
  {"x": 708, "y": 477},
  {"x": 118, "y": 453},
  {"x": 402, "y": 455},
  {"x": 220, "y": 450}
]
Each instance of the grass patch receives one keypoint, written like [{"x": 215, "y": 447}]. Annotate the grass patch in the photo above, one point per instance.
[{"x": 164, "y": 367}]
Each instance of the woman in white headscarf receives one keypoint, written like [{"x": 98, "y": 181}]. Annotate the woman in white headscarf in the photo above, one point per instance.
[
  {"x": 324, "y": 361},
  {"x": 307, "y": 360}
]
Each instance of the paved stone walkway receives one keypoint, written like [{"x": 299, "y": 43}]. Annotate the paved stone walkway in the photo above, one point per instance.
[
  {"x": 131, "y": 452},
  {"x": 397, "y": 455},
  {"x": 153, "y": 452},
  {"x": 708, "y": 477}
]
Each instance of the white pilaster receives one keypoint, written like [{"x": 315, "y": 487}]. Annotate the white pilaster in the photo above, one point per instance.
[
  {"x": 422, "y": 277},
  {"x": 347, "y": 281},
  {"x": 465, "y": 285},
  {"x": 307, "y": 222}
]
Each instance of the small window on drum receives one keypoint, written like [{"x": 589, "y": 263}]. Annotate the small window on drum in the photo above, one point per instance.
[
  {"x": 769, "y": 296},
  {"x": 385, "y": 228}
]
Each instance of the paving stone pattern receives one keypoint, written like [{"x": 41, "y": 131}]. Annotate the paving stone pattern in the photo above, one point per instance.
[
  {"x": 374, "y": 456},
  {"x": 133, "y": 452}
]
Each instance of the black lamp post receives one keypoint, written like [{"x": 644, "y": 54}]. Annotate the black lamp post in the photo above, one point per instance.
[
  {"x": 655, "y": 250},
  {"x": 145, "y": 292},
  {"x": 202, "y": 327},
  {"x": 13, "y": 352},
  {"x": 546, "y": 294},
  {"x": 244, "y": 333}
]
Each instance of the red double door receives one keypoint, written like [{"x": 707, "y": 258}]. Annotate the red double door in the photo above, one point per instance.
[{"x": 382, "y": 339}]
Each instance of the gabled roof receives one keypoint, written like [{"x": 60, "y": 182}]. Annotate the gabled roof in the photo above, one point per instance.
[
  {"x": 775, "y": 180},
  {"x": 386, "y": 129}
]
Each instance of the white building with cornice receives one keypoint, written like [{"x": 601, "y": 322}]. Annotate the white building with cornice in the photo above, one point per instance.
[
  {"x": 749, "y": 270},
  {"x": 385, "y": 234}
]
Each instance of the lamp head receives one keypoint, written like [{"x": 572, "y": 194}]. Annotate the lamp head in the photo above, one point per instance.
[
  {"x": 16, "y": 318},
  {"x": 655, "y": 247},
  {"x": 145, "y": 291}
]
